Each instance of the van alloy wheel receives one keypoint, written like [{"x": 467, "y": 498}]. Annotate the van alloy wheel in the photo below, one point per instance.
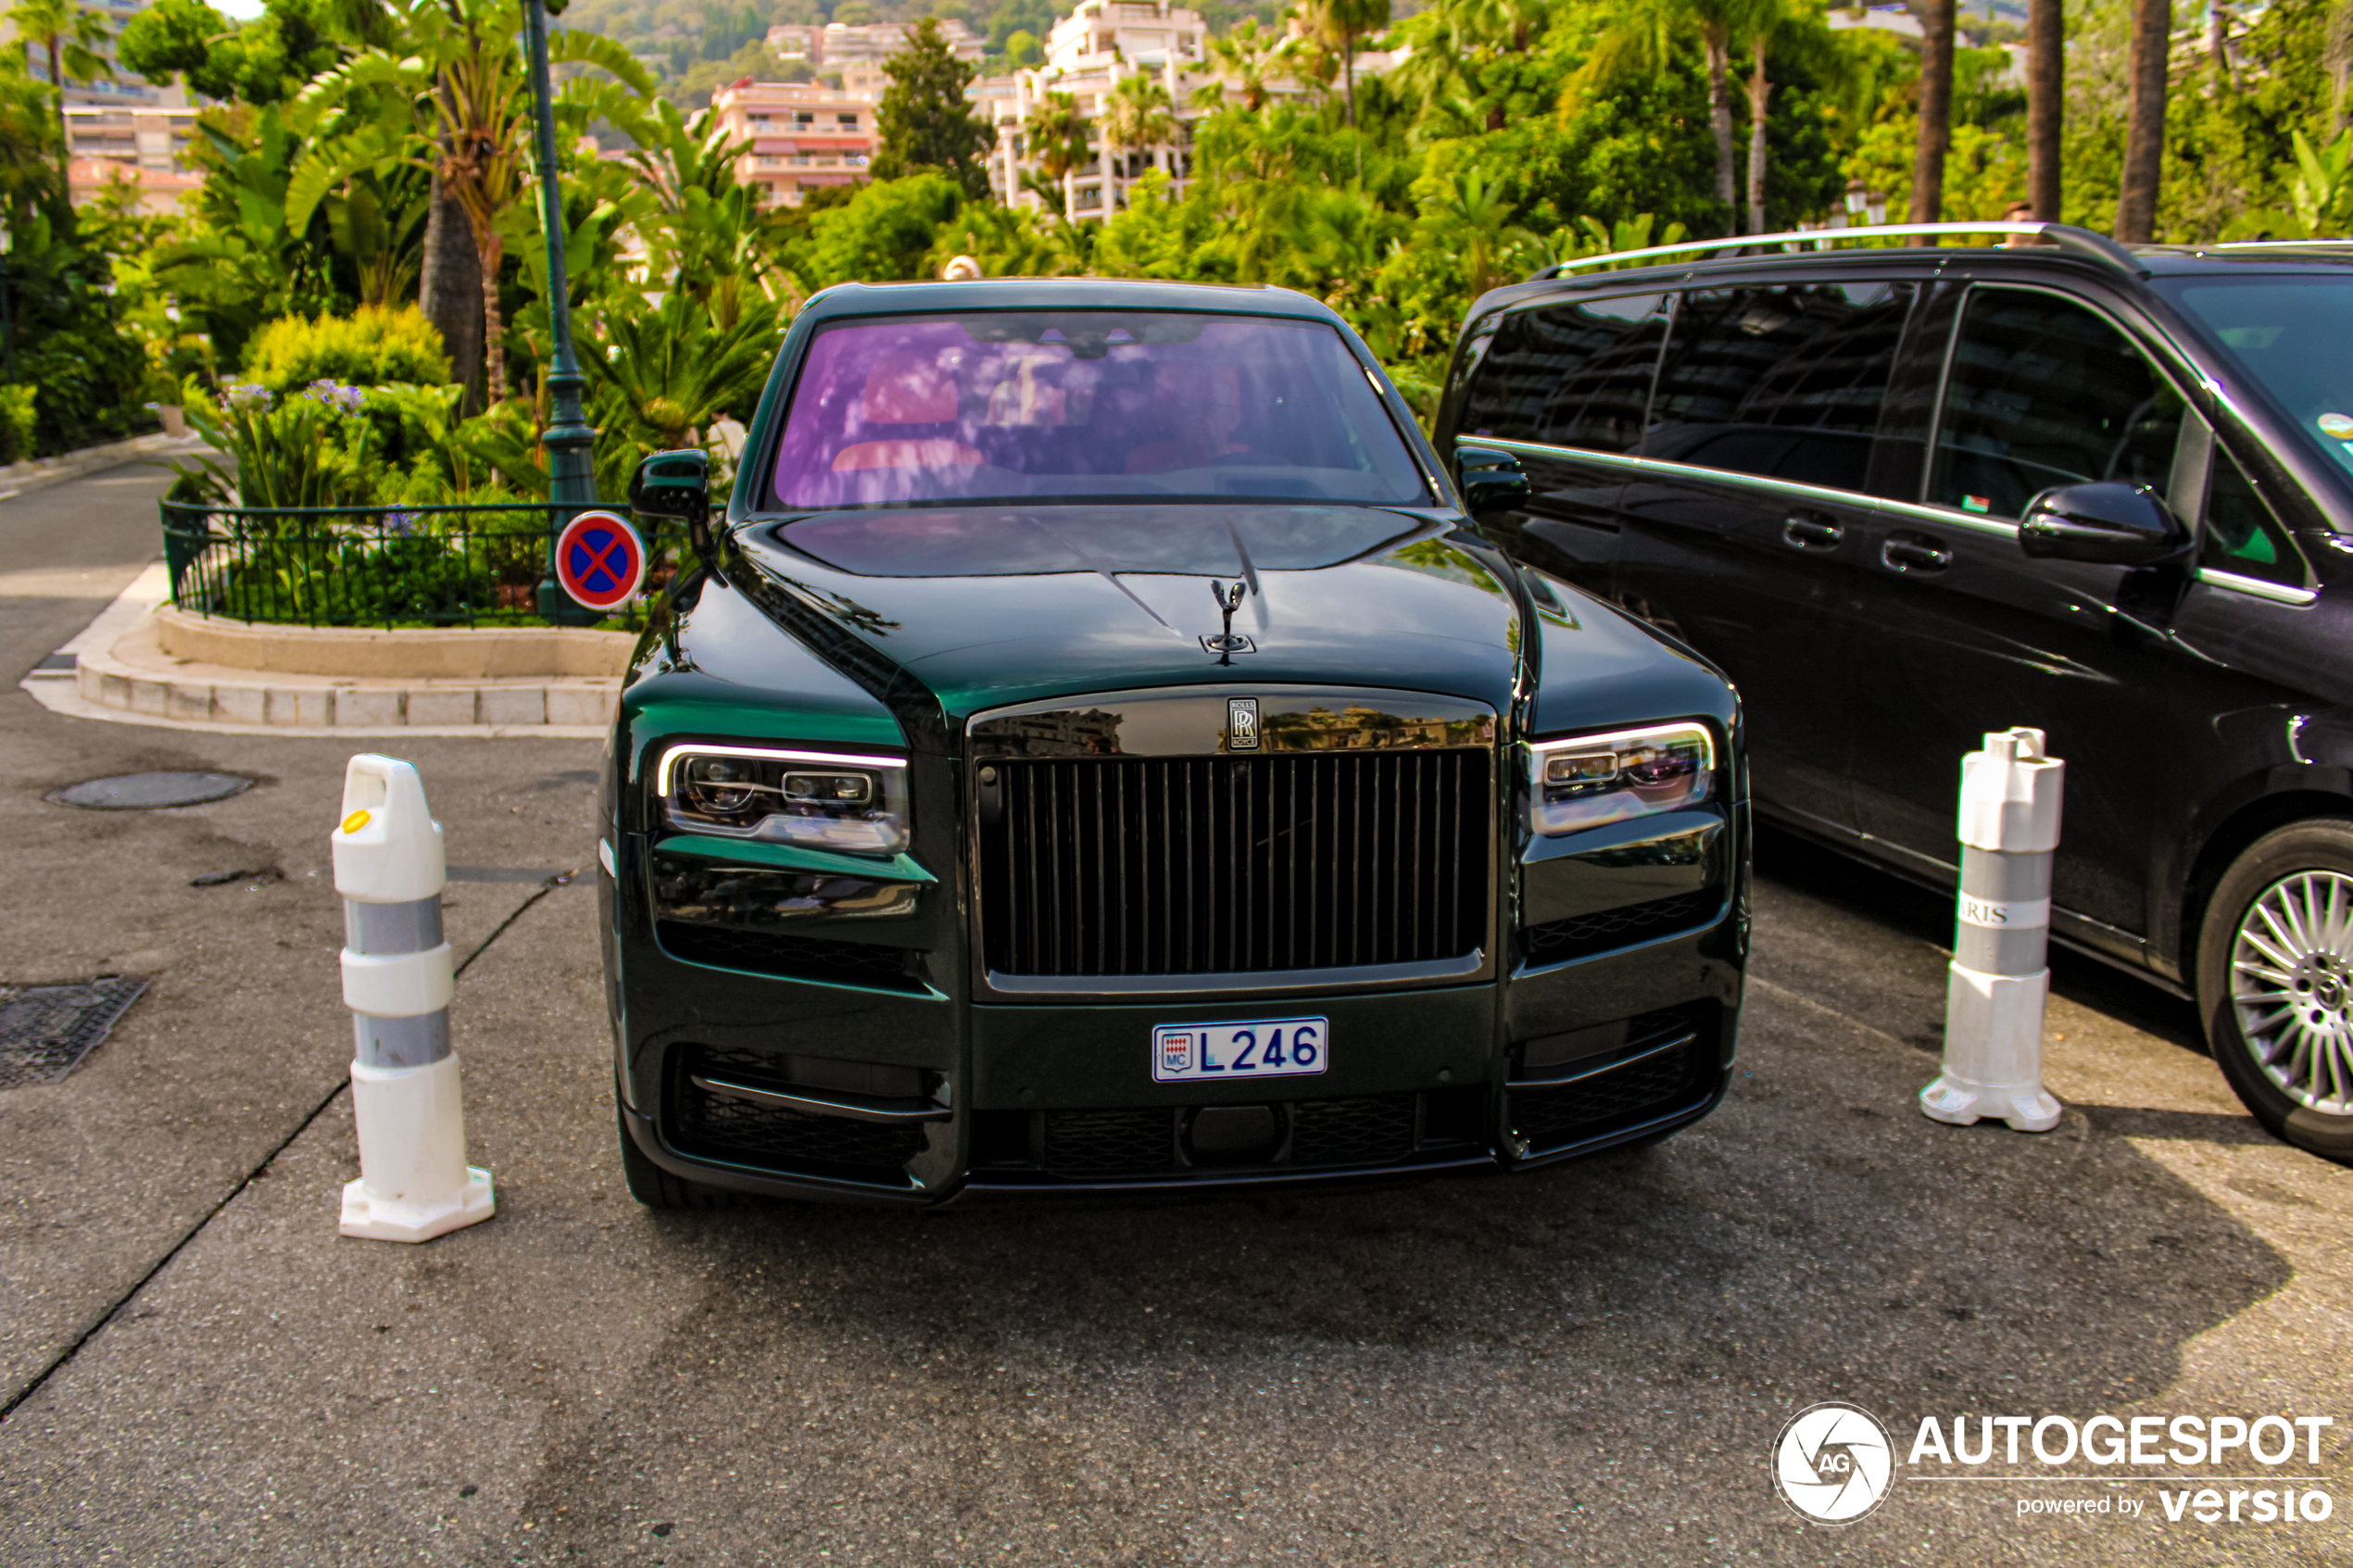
[{"x": 2292, "y": 987}]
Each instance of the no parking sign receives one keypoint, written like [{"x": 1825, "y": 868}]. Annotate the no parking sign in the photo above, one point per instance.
[{"x": 600, "y": 560}]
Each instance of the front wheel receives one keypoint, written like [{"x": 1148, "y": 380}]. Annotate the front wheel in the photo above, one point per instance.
[{"x": 2275, "y": 984}]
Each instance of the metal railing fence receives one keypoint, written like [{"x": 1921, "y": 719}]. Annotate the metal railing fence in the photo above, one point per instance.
[{"x": 389, "y": 566}]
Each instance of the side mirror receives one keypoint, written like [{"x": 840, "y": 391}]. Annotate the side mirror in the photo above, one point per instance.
[
  {"x": 1491, "y": 480},
  {"x": 2108, "y": 524},
  {"x": 676, "y": 486}
]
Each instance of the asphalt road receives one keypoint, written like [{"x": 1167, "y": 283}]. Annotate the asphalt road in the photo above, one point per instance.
[{"x": 1585, "y": 1366}]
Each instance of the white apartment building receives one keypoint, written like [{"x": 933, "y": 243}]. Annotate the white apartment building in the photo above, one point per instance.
[
  {"x": 803, "y": 134},
  {"x": 144, "y": 144},
  {"x": 1088, "y": 54},
  {"x": 838, "y": 44}
]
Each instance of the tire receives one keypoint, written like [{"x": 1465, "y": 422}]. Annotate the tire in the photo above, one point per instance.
[
  {"x": 656, "y": 1189},
  {"x": 2275, "y": 984}
]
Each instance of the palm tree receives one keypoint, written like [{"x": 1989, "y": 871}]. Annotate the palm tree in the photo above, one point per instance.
[
  {"x": 1246, "y": 57},
  {"x": 2144, "y": 133},
  {"x": 1640, "y": 37},
  {"x": 468, "y": 98},
  {"x": 1453, "y": 41},
  {"x": 1138, "y": 114},
  {"x": 70, "y": 37},
  {"x": 1936, "y": 111},
  {"x": 1337, "y": 25},
  {"x": 2046, "y": 104},
  {"x": 1478, "y": 221},
  {"x": 1056, "y": 135}
]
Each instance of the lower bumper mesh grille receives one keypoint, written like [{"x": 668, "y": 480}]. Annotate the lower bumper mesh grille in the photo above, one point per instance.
[
  {"x": 720, "y": 1127},
  {"x": 1649, "y": 1085},
  {"x": 1318, "y": 1135},
  {"x": 1560, "y": 940}
]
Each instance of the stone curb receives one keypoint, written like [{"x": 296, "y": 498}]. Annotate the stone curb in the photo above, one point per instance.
[
  {"x": 114, "y": 670},
  {"x": 108, "y": 682}
]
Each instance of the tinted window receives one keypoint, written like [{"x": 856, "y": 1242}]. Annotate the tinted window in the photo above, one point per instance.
[
  {"x": 1034, "y": 405},
  {"x": 1575, "y": 374},
  {"x": 2242, "y": 534},
  {"x": 2042, "y": 392},
  {"x": 1787, "y": 381},
  {"x": 2293, "y": 336}
]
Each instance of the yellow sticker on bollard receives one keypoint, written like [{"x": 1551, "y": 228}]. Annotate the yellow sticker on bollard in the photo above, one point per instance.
[{"x": 355, "y": 821}]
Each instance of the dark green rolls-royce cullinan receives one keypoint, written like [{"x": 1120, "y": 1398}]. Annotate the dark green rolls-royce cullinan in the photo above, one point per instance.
[{"x": 1096, "y": 750}]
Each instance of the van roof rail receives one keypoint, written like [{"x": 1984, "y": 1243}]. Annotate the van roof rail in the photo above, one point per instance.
[{"x": 2067, "y": 236}]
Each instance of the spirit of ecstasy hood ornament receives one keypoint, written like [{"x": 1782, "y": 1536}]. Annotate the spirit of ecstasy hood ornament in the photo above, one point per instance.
[{"x": 1224, "y": 644}]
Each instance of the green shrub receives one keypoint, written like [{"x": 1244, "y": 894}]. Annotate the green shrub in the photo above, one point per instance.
[
  {"x": 17, "y": 421},
  {"x": 373, "y": 347}
]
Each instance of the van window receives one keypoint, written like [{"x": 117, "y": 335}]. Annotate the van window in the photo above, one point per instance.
[
  {"x": 1571, "y": 374},
  {"x": 2043, "y": 392},
  {"x": 2242, "y": 536},
  {"x": 1785, "y": 382}
]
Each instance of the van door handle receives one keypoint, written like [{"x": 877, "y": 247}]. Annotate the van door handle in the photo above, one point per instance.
[
  {"x": 1805, "y": 533},
  {"x": 1902, "y": 553}
]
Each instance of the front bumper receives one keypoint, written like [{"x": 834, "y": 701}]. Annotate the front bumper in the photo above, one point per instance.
[{"x": 1057, "y": 1101}]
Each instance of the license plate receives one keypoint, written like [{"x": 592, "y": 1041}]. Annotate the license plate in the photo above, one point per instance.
[{"x": 1193, "y": 1053}]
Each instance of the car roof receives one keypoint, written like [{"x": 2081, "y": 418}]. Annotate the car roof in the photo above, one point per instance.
[
  {"x": 2128, "y": 266},
  {"x": 1063, "y": 293}
]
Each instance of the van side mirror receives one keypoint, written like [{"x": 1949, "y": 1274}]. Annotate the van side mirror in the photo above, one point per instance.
[
  {"x": 676, "y": 486},
  {"x": 1491, "y": 480},
  {"x": 2106, "y": 522}
]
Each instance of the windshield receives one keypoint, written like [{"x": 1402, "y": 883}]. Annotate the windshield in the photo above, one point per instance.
[
  {"x": 2293, "y": 338},
  {"x": 1001, "y": 406}
]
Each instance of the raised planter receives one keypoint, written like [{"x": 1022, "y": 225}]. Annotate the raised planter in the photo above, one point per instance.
[{"x": 417, "y": 653}]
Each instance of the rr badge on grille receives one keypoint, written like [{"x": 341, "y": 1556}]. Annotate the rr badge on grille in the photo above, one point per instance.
[
  {"x": 1176, "y": 1053},
  {"x": 1241, "y": 723}
]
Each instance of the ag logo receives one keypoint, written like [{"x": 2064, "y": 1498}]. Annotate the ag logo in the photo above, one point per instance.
[{"x": 1833, "y": 1462}]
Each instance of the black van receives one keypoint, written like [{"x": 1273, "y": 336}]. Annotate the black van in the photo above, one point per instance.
[{"x": 1905, "y": 496}]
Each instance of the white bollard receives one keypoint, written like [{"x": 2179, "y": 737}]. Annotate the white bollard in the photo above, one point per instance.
[
  {"x": 2000, "y": 976},
  {"x": 414, "y": 1182}
]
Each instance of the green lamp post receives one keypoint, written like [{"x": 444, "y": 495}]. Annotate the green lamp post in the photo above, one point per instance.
[{"x": 571, "y": 468}]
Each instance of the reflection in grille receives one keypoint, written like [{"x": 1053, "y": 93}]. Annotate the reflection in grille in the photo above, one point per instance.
[
  {"x": 1546, "y": 1117},
  {"x": 1556, "y": 941},
  {"x": 718, "y": 1127},
  {"x": 1225, "y": 865},
  {"x": 795, "y": 958},
  {"x": 1368, "y": 1131}
]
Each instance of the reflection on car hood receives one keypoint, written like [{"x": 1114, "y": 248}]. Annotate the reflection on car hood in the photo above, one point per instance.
[{"x": 989, "y": 606}]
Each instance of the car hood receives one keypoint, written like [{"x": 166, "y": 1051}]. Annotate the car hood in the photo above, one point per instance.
[{"x": 984, "y": 607}]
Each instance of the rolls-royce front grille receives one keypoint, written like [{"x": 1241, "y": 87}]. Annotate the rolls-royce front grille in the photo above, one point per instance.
[{"x": 1220, "y": 865}]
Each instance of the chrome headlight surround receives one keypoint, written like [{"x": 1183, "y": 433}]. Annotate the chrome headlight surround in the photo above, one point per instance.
[
  {"x": 1587, "y": 782},
  {"x": 852, "y": 804}
]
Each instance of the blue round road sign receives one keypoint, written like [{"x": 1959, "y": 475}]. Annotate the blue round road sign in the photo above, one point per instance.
[{"x": 599, "y": 560}]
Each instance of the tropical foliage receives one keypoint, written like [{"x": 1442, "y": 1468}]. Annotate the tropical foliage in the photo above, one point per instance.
[{"x": 355, "y": 152}]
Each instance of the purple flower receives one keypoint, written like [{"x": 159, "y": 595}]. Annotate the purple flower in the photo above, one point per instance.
[
  {"x": 347, "y": 398},
  {"x": 246, "y": 395}
]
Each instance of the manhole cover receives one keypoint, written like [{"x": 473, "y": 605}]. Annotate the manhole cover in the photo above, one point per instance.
[
  {"x": 142, "y": 792},
  {"x": 47, "y": 1029}
]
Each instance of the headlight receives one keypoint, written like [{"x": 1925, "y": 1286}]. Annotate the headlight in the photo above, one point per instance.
[
  {"x": 1595, "y": 780},
  {"x": 857, "y": 805}
]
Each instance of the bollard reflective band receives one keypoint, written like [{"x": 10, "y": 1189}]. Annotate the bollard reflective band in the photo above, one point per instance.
[
  {"x": 391, "y": 928},
  {"x": 400, "y": 1042}
]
